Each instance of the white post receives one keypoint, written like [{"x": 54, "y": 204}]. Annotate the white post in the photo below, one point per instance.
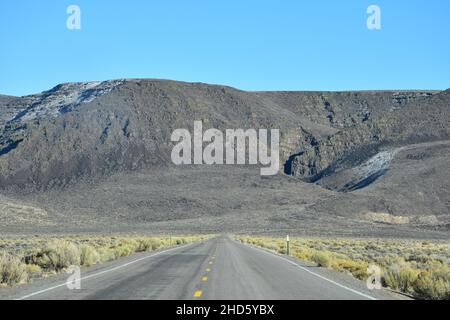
[{"x": 287, "y": 245}]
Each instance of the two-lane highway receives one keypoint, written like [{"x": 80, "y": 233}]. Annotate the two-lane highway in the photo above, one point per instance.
[{"x": 218, "y": 268}]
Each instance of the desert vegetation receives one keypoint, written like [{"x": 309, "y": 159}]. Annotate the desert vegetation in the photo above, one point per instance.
[
  {"x": 418, "y": 268},
  {"x": 22, "y": 259}
]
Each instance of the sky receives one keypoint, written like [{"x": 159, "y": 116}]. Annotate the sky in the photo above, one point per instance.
[{"x": 251, "y": 44}]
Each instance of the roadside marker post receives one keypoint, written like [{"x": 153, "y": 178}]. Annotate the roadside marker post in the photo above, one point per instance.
[{"x": 287, "y": 245}]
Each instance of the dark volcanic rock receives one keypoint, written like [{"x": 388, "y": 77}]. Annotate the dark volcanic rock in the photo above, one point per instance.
[
  {"x": 421, "y": 120},
  {"x": 98, "y": 153},
  {"x": 91, "y": 129}
]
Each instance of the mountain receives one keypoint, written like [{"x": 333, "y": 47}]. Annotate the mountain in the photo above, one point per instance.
[
  {"x": 4, "y": 99},
  {"x": 345, "y": 155}
]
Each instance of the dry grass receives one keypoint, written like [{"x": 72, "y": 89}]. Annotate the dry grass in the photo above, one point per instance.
[
  {"x": 419, "y": 268},
  {"x": 22, "y": 259},
  {"x": 12, "y": 270}
]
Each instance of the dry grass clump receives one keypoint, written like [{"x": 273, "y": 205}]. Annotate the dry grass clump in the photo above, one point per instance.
[
  {"x": 25, "y": 258},
  {"x": 12, "y": 270},
  {"x": 56, "y": 256},
  {"x": 419, "y": 268},
  {"x": 88, "y": 255},
  {"x": 322, "y": 258},
  {"x": 432, "y": 285}
]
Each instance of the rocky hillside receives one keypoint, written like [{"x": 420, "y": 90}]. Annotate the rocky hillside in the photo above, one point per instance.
[
  {"x": 91, "y": 129},
  {"x": 95, "y": 157},
  {"x": 423, "y": 119}
]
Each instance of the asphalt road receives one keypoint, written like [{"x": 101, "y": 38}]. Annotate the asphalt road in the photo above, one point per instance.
[{"x": 219, "y": 268}]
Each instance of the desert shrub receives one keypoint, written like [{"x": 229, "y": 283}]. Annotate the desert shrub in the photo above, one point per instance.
[
  {"x": 400, "y": 277},
  {"x": 88, "y": 255},
  {"x": 33, "y": 269},
  {"x": 149, "y": 244},
  {"x": 322, "y": 258},
  {"x": 429, "y": 286},
  {"x": 357, "y": 268},
  {"x": 390, "y": 260},
  {"x": 122, "y": 250},
  {"x": 144, "y": 245},
  {"x": 125, "y": 247},
  {"x": 303, "y": 254},
  {"x": 156, "y": 244},
  {"x": 421, "y": 258},
  {"x": 42, "y": 255},
  {"x": 12, "y": 270},
  {"x": 106, "y": 254},
  {"x": 420, "y": 268},
  {"x": 55, "y": 256}
]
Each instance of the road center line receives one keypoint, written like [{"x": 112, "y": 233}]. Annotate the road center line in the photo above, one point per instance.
[
  {"x": 198, "y": 294},
  {"x": 313, "y": 273}
]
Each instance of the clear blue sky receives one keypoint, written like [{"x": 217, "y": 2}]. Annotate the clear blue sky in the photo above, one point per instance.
[{"x": 249, "y": 44}]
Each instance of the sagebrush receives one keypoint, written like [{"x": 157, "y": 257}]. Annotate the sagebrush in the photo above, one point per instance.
[
  {"x": 415, "y": 267},
  {"x": 22, "y": 259}
]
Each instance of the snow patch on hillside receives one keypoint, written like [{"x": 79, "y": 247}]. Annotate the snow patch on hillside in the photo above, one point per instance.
[
  {"x": 363, "y": 175},
  {"x": 378, "y": 162},
  {"x": 64, "y": 98}
]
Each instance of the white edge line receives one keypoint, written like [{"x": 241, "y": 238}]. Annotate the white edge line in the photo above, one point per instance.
[
  {"x": 311, "y": 272},
  {"x": 104, "y": 271}
]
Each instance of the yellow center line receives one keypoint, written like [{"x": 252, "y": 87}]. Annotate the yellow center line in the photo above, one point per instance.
[{"x": 198, "y": 294}]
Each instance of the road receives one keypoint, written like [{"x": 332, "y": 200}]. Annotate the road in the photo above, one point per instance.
[{"x": 219, "y": 268}]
